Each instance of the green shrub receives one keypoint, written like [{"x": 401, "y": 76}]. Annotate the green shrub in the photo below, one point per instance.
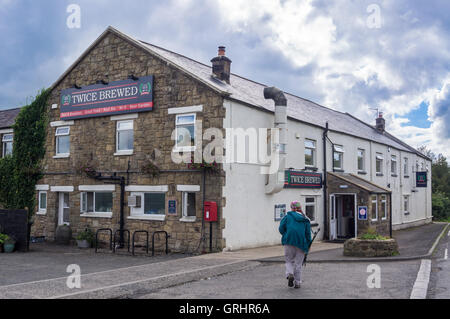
[
  {"x": 372, "y": 234},
  {"x": 87, "y": 234},
  {"x": 441, "y": 206}
]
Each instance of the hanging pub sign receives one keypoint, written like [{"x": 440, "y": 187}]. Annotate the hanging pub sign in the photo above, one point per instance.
[
  {"x": 421, "y": 179},
  {"x": 295, "y": 179},
  {"x": 120, "y": 97}
]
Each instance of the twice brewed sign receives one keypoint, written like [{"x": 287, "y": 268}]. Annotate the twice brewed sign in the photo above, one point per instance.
[
  {"x": 295, "y": 179},
  {"x": 421, "y": 179},
  {"x": 120, "y": 97}
]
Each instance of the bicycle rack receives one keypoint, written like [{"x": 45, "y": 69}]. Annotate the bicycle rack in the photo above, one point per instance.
[
  {"x": 134, "y": 235},
  {"x": 153, "y": 241},
  {"x": 110, "y": 237},
  {"x": 114, "y": 240}
]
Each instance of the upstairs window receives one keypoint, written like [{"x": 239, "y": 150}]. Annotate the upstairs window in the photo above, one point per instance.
[
  {"x": 63, "y": 141},
  {"x": 310, "y": 153},
  {"x": 124, "y": 136},
  {"x": 394, "y": 165},
  {"x": 185, "y": 132},
  {"x": 379, "y": 163},
  {"x": 405, "y": 167},
  {"x": 7, "y": 142},
  {"x": 361, "y": 160},
  {"x": 338, "y": 157}
]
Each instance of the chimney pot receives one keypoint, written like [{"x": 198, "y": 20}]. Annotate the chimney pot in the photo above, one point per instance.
[{"x": 221, "y": 51}]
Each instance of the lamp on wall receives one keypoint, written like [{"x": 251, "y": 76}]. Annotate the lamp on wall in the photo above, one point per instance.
[
  {"x": 132, "y": 77},
  {"x": 76, "y": 86},
  {"x": 102, "y": 82}
]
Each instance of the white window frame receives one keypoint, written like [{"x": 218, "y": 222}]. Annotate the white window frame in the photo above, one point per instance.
[
  {"x": 125, "y": 151},
  {"x": 57, "y": 135},
  {"x": 185, "y": 148},
  {"x": 184, "y": 208},
  {"x": 379, "y": 157},
  {"x": 42, "y": 211},
  {"x": 84, "y": 202},
  {"x": 384, "y": 201},
  {"x": 6, "y": 141},
  {"x": 363, "y": 169},
  {"x": 138, "y": 212},
  {"x": 376, "y": 207},
  {"x": 394, "y": 163},
  {"x": 311, "y": 204},
  {"x": 313, "y": 151},
  {"x": 405, "y": 199},
  {"x": 339, "y": 149},
  {"x": 405, "y": 167}
]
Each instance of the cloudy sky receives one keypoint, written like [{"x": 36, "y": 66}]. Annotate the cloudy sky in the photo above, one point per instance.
[{"x": 353, "y": 56}]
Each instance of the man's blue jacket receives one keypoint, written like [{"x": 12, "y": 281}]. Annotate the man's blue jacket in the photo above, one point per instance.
[{"x": 296, "y": 231}]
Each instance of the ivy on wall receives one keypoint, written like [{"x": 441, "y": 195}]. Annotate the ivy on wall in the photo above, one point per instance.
[{"x": 21, "y": 171}]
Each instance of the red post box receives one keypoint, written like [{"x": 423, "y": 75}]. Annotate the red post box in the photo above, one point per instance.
[{"x": 210, "y": 211}]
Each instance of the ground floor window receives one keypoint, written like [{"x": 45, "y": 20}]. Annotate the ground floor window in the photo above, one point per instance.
[
  {"x": 189, "y": 208},
  {"x": 383, "y": 207},
  {"x": 374, "y": 209},
  {"x": 406, "y": 204},
  {"x": 310, "y": 208},
  {"x": 42, "y": 202},
  {"x": 148, "y": 204},
  {"x": 96, "y": 202}
]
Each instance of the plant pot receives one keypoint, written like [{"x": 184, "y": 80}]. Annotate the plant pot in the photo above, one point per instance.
[
  {"x": 83, "y": 244},
  {"x": 9, "y": 248},
  {"x": 63, "y": 235}
]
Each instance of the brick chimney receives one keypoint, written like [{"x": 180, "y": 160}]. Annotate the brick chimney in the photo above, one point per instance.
[
  {"x": 380, "y": 123},
  {"x": 221, "y": 66}
]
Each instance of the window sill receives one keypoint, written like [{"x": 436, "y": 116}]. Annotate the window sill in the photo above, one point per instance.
[
  {"x": 405, "y": 176},
  {"x": 379, "y": 175},
  {"x": 148, "y": 217},
  {"x": 123, "y": 153},
  {"x": 339, "y": 170},
  {"x": 188, "y": 219},
  {"x": 61, "y": 156},
  {"x": 311, "y": 168},
  {"x": 406, "y": 213},
  {"x": 41, "y": 213},
  {"x": 97, "y": 215},
  {"x": 394, "y": 175},
  {"x": 362, "y": 172}
]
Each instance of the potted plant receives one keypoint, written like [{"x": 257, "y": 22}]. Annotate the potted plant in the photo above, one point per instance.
[
  {"x": 85, "y": 238},
  {"x": 9, "y": 244},
  {"x": 3, "y": 237}
]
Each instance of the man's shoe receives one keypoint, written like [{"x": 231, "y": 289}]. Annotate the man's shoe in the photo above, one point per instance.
[{"x": 291, "y": 280}]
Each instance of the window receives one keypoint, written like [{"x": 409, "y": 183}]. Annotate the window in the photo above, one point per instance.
[
  {"x": 361, "y": 160},
  {"x": 124, "y": 136},
  {"x": 7, "y": 141},
  {"x": 310, "y": 153},
  {"x": 374, "y": 209},
  {"x": 42, "y": 202},
  {"x": 310, "y": 208},
  {"x": 185, "y": 132},
  {"x": 394, "y": 165},
  {"x": 63, "y": 141},
  {"x": 406, "y": 204},
  {"x": 189, "y": 208},
  {"x": 383, "y": 207},
  {"x": 405, "y": 167},
  {"x": 96, "y": 202},
  {"x": 151, "y": 204},
  {"x": 379, "y": 163},
  {"x": 338, "y": 157}
]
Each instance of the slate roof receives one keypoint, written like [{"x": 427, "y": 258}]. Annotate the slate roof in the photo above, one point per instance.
[
  {"x": 361, "y": 183},
  {"x": 251, "y": 93},
  {"x": 8, "y": 117}
]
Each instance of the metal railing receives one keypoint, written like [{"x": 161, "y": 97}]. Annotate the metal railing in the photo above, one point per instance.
[{"x": 110, "y": 237}]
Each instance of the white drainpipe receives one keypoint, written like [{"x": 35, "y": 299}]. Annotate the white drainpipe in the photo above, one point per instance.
[{"x": 275, "y": 183}]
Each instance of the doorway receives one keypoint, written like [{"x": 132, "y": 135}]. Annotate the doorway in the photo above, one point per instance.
[
  {"x": 342, "y": 216},
  {"x": 63, "y": 209}
]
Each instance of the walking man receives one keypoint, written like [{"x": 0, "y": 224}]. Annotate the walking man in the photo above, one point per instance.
[{"x": 295, "y": 229}]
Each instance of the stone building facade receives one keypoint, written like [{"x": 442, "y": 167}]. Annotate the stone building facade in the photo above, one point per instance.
[{"x": 113, "y": 57}]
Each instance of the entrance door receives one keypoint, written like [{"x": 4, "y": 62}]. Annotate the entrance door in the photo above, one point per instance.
[
  {"x": 333, "y": 234},
  {"x": 64, "y": 209}
]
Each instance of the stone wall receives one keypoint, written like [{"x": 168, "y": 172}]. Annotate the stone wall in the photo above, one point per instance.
[
  {"x": 370, "y": 248},
  {"x": 93, "y": 142}
]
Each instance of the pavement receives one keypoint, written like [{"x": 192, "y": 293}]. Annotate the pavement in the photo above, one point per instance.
[{"x": 43, "y": 273}]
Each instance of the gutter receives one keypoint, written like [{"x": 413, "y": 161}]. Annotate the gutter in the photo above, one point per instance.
[{"x": 325, "y": 190}]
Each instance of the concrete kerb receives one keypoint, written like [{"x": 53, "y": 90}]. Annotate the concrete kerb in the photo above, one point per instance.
[{"x": 364, "y": 260}]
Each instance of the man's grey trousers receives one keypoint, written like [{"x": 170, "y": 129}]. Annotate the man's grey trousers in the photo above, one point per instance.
[{"x": 294, "y": 259}]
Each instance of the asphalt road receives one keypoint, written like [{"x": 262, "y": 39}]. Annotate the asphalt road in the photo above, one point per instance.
[
  {"x": 331, "y": 281},
  {"x": 439, "y": 287}
]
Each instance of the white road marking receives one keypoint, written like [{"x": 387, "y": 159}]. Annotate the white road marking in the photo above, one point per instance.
[
  {"x": 446, "y": 254},
  {"x": 420, "y": 288}
]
